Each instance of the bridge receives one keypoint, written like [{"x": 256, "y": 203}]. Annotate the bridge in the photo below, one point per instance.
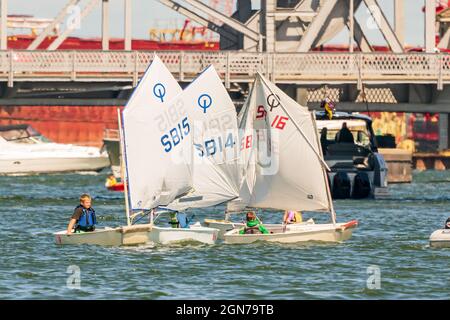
[
  {"x": 238, "y": 67},
  {"x": 280, "y": 40},
  {"x": 412, "y": 82}
]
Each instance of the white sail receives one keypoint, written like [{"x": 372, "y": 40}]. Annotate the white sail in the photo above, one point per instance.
[
  {"x": 288, "y": 169},
  {"x": 247, "y": 154},
  {"x": 147, "y": 121},
  {"x": 212, "y": 114}
]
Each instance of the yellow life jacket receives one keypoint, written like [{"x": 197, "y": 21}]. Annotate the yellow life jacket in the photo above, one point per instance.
[
  {"x": 298, "y": 217},
  {"x": 110, "y": 182}
]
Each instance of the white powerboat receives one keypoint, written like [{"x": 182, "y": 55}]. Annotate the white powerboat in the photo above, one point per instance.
[{"x": 23, "y": 150}]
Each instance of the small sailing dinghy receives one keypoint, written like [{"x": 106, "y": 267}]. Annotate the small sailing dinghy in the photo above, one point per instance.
[
  {"x": 283, "y": 168},
  {"x": 303, "y": 233},
  {"x": 138, "y": 111},
  {"x": 126, "y": 235},
  {"x": 181, "y": 154}
]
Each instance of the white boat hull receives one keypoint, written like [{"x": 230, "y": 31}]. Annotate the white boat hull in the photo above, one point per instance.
[
  {"x": 440, "y": 238},
  {"x": 224, "y": 226},
  {"x": 132, "y": 235},
  {"x": 52, "y": 165},
  {"x": 300, "y": 233},
  {"x": 161, "y": 235}
]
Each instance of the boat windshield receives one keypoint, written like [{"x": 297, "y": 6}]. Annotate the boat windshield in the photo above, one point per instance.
[
  {"x": 358, "y": 128},
  {"x": 22, "y": 134}
]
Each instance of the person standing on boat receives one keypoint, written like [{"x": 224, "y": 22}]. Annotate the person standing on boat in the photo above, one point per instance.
[
  {"x": 323, "y": 140},
  {"x": 291, "y": 216},
  {"x": 253, "y": 225},
  {"x": 344, "y": 135},
  {"x": 83, "y": 218}
]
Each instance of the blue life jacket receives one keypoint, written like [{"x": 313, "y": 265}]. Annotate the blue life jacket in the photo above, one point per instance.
[
  {"x": 183, "y": 220},
  {"x": 87, "y": 219}
]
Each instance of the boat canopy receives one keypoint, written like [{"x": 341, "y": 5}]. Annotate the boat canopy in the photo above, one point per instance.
[
  {"x": 18, "y": 131},
  {"x": 337, "y": 124}
]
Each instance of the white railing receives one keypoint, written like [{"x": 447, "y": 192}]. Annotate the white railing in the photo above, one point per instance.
[{"x": 301, "y": 68}]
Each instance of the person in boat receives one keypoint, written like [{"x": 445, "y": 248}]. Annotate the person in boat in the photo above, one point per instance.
[
  {"x": 253, "y": 225},
  {"x": 447, "y": 223},
  {"x": 184, "y": 220},
  {"x": 83, "y": 217},
  {"x": 323, "y": 140},
  {"x": 110, "y": 181},
  {"x": 179, "y": 220},
  {"x": 173, "y": 220},
  {"x": 291, "y": 216},
  {"x": 344, "y": 135}
]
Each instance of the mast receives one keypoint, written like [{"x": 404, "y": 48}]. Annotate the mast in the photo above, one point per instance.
[
  {"x": 123, "y": 166},
  {"x": 319, "y": 153},
  {"x": 325, "y": 175}
]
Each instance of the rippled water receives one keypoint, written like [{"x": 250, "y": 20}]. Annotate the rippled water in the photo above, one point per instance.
[{"x": 392, "y": 236}]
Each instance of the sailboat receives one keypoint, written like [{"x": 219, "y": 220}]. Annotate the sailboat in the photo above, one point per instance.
[
  {"x": 283, "y": 169},
  {"x": 155, "y": 88},
  {"x": 203, "y": 134}
]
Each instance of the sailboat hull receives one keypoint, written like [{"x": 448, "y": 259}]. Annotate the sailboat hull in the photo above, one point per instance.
[
  {"x": 127, "y": 235},
  {"x": 224, "y": 226},
  {"x": 162, "y": 235},
  {"x": 301, "y": 233}
]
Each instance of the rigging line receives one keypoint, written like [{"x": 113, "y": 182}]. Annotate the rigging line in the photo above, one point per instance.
[
  {"x": 363, "y": 91},
  {"x": 365, "y": 100}
]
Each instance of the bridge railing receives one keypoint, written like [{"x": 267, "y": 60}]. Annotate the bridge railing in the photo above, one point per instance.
[{"x": 301, "y": 68}]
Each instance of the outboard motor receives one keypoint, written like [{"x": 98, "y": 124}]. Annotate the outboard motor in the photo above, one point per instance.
[
  {"x": 380, "y": 171},
  {"x": 361, "y": 186},
  {"x": 341, "y": 185}
]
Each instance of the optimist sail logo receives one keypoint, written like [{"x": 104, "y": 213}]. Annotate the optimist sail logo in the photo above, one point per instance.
[
  {"x": 272, "y": 101},
  {"x": 204, "y": 101},
  {"x": 159, "y": 91}
]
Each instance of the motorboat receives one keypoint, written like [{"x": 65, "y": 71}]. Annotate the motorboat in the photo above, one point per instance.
[
  {"x": 357, "y": 169},
  {"x": 23, "y": 150}
]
